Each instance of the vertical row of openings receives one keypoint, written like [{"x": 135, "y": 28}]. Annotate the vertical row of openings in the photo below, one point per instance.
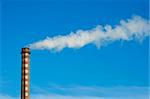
[{"x": 26, "y": 74}]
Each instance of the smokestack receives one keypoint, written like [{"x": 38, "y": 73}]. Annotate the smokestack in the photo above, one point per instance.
[{"x": 25, "y": 78}]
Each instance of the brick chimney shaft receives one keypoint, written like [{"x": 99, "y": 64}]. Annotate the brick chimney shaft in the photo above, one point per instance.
[{"x": 25, "y": 74}]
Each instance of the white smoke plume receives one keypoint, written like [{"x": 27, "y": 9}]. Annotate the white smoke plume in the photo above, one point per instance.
[{"x": 136, "y": 28}]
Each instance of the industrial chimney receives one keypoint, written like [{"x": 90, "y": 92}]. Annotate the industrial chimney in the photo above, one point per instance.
[{"x": 25, "y": 75}]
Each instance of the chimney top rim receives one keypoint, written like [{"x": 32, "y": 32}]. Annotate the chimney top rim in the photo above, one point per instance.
[{"x": 25, "y": 50}]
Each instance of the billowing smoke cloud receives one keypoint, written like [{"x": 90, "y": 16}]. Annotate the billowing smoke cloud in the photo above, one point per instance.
[{"x": 136, "y": 28}]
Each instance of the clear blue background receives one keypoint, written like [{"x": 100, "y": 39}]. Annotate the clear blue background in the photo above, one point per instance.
[{"x": 27, "y": 21}]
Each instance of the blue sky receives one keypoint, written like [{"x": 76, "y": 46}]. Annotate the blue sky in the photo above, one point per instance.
[{"x": 117, "y": 64}]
